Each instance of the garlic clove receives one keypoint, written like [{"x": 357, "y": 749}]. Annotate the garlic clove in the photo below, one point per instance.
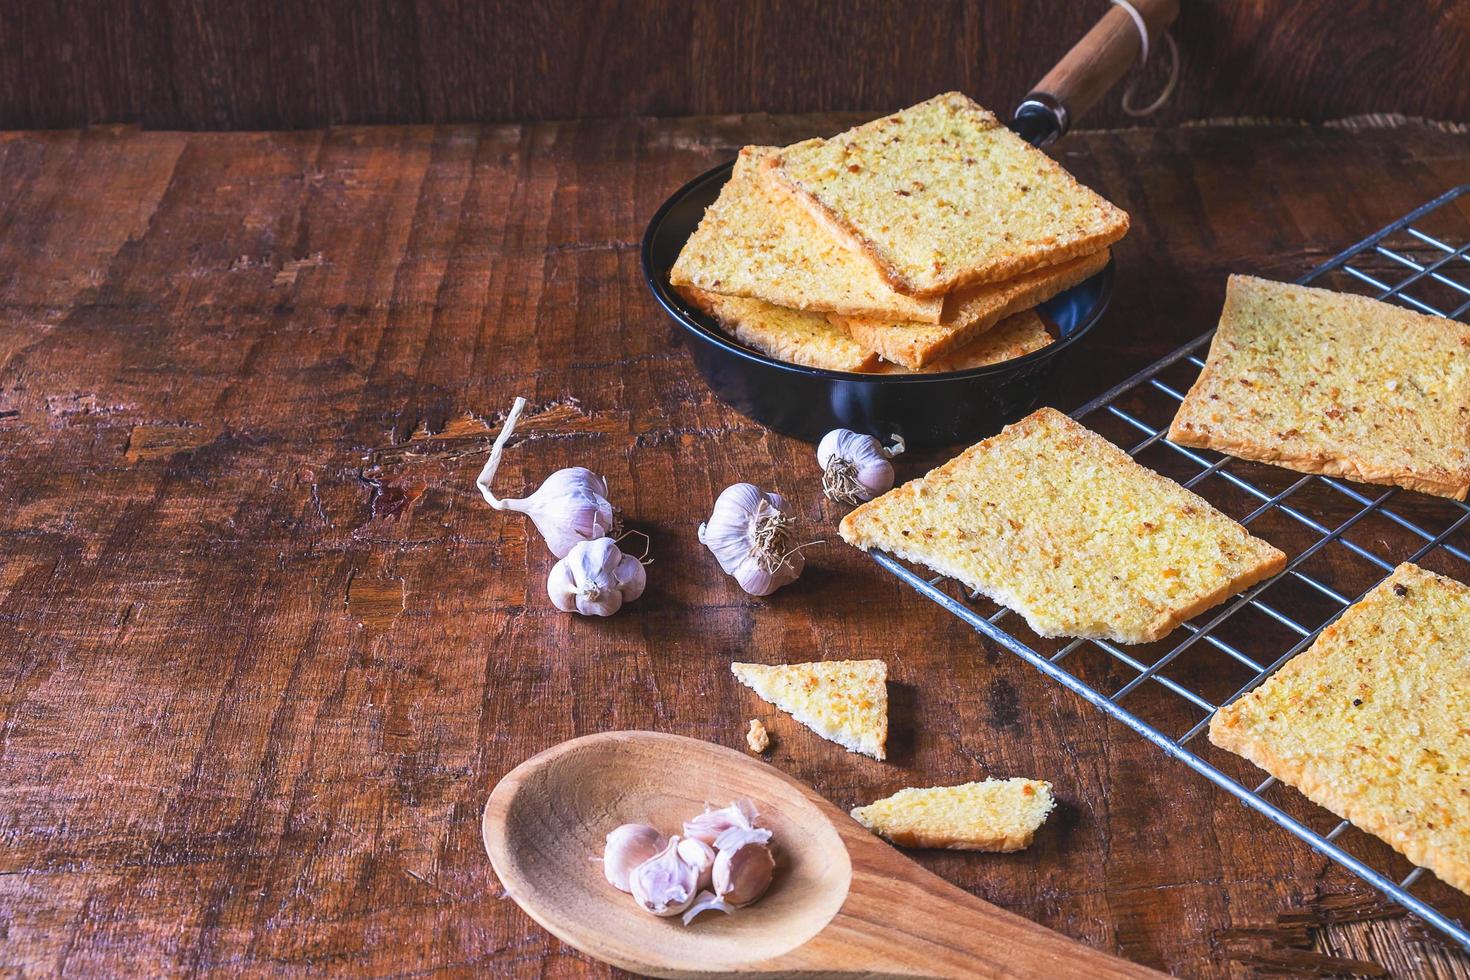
[
  {"x": 707, "y": 901},
  {"x": 855, "y": 467},
  {"x": 742, "y": 873},
  {"x": 595, "y": 579},
  {"x": 664, "y": 884},
  {"x": 626, "y": 848},
  {"x": 710, "y": 824},
  {"x": 699, "y": 856},
  {"x": 571, "y": 505},
  {"x": 748, "y": 533}
]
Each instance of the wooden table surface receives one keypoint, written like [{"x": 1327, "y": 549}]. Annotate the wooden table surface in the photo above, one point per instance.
[{"x": 264, "y": 650}]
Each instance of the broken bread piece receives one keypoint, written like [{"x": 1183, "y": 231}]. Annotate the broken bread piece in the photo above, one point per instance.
[
  {"x": 758, "y": 242},
  {"x": 1011, "y": 338},
  {"x": 991, "y": 815},
  {"x": 1372, "y": 721},
  {"x": 788, "y": 335},
  {"x": 1324, "y": 382},
  {"x": 968, "y": 314},
  {"x": 844, "y": 701},
  {"x": 941, "y": 195},
  {"x": 1059, "y": 524}
]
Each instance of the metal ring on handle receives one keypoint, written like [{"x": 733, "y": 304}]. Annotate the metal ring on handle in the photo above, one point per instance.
[{"x": 1143, "y": 54}]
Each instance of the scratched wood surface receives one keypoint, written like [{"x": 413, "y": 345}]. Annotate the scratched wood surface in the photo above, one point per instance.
[{"x": 264, "y": 651}]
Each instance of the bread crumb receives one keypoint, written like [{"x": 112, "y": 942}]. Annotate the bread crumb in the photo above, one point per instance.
[{"x": 757, "y": 738}]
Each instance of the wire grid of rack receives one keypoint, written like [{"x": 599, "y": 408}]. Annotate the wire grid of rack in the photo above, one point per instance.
[{"x": 1433, "y": 279}]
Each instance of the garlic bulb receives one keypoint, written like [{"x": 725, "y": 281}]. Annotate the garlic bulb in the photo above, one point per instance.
[
  {"x": 627, "y": 847},
  {"x": 749, "y": 533},
  {"x": 664, "y": 884},
  {"x": 743, "y": 866},
  {"x": 855, "y": 467},
  {"x": 595, "y": 579},
  {"x": 699, "y": 856},
  {"x": 570, "y": 506},
  {"x": 709, "y": 825}
]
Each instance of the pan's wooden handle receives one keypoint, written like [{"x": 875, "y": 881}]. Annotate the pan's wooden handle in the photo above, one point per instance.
[{"x": 1093, "y": 66}]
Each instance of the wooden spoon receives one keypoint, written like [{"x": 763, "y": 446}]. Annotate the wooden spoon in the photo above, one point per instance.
[{"x": 842, "y": 902}]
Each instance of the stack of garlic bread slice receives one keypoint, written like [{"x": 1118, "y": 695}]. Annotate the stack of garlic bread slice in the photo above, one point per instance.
[{"x": 895, "y": 247}]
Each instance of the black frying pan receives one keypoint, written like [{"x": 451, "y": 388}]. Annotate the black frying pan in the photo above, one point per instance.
[{"x": 925, "y": 409}]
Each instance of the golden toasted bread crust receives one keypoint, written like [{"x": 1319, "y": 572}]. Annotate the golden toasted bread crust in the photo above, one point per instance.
[
  {"x": 1013, "y": 337},
  {"x": 756, "y": 241},
  {"x": 802, "y": 338},
  {"x": 1330, "y": 383},
  {"x": 1000, "y": 815},
  {"x": 940, "y": 196},
  {"x": 969, "y": 313},
  {"x": 1059, "y": 524},
  {"x": 1370, "y": 721}
]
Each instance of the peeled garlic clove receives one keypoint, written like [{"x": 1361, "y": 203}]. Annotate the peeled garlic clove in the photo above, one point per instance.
[
  {"x": 627, "y": 847},
  {"x": 595, "y": 579},
  {"x": 664, "y": 884},
  {"x": 699, "y": 856},
  {"x": 709, "y": 825},
  {"x": 707, "y": 901},
  {"x": 570, "y": 506},
  {"x": 743, "y": 869},
  {"x": 855, "y": 467},
  {"x": 748, "y": 532}
]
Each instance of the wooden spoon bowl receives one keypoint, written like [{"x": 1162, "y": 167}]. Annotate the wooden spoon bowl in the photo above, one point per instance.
[{"x": 841, "y": 901}]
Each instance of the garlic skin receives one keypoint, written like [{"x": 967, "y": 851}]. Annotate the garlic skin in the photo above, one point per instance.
[
  {"x": 855, "y": 467},
  {"x": 709, "y": 825},
  {"x": 707, "y": 901},
  {"x": 570, "y": 506},
  {"x": 744, "y": 865},
  {"x": 626, "y": 848},
  {"x": 664, "y": 884},
  {"x": 699, "y": 856},
  {"x": 595, "y": 579},
  {"x": 748, "y": 533}
]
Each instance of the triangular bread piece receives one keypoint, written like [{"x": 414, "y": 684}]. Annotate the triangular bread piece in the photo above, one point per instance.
[
  {"x": 993, "y": 815},
  {"x": 756, "y": 241},
  {"x": 941, "y": 195},
  {"x": 844, "y": 701},
  {"x": 968, "y": 313}
]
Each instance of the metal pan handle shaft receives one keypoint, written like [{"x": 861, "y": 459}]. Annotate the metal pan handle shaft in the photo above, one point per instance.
[{"x": 1086, "y": 72}]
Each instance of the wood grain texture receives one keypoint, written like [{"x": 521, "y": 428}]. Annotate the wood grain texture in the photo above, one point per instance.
[
  {"x": 202, "y": 64},
  {"x": 264, "y": 650}
]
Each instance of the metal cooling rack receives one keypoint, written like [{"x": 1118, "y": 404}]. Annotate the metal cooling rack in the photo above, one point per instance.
[{"x": 1434, "y": 277}]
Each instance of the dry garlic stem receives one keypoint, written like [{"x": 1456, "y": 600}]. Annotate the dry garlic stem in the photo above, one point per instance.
[
  {"x": 749, "y": 532},
  {"x": 571, "y": 506},
  {"x": 595, "y": 579},
  {"x": 664, "y": 884},
  {"x": 627, "y": 847},
  {"x": 855, "y": 467}
]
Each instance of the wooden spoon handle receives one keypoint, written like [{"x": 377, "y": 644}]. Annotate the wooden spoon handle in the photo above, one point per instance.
[
  {"x": 902, "y": 920},
  {"x": 1095, "y": 63}
]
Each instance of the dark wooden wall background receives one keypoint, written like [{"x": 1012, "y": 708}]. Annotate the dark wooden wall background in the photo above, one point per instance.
[{"x": 266, "y": 64}]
